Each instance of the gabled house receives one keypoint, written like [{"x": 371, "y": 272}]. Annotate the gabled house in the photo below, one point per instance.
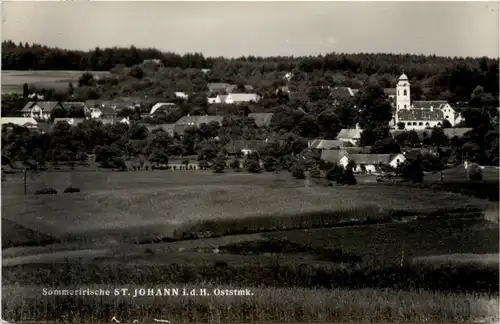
[
  {"x": 370, "y": 163},
  {"x": 40, "y": 110},
  {"x": 261, "y": 119},
  {"x": 162, "y": 107},
  {"x": 116, "y": 120},
  {"x": 28, "y": 122},
  {"x": 351, "y": 135}
]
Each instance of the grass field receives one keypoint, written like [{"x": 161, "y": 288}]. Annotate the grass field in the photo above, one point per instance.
[
  {"x": 286, "y": 262},
  {"x": 12, "y": 81}
]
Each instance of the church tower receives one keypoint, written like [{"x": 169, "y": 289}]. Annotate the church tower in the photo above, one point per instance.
[{"x": 403, "y": 93}]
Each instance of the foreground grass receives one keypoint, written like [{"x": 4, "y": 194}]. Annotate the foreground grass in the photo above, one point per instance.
[
  {"x": 266, "y": 304},
  {"x": 141, "y": 207}
]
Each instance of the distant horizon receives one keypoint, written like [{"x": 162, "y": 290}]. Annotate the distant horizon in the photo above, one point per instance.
[
  {"x": 257, "y": 56},
  {"x": 261, "y": 29}
]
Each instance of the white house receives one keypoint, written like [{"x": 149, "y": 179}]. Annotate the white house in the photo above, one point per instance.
[
  {"x": 420, "y": 114},
  {"x": 40, "y": 110},
  {"x": 370, "y": 163},
  {"x": 351, "y": 135},
  {"x": 28, "y": 122},
  {"x": 215, "y": 100},
  {"x": 102, "y": 112},
  {"x": 236, "y": 98}
]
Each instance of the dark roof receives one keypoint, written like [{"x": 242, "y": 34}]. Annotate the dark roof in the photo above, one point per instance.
[
  {"x": 221, "y": 87},
  {"x": 420, "y": 114},
  {"x": 351, "y": 133},
  {"x": 429, "y": 104},
  {"x": 333, "y": 156},
  {"x": 46, "y": 106},
  {"x": 261, "y": 119},
  {"x": 238, "y": 145},
  {"x": 107, "y": 110},
  {"x": 358, "y": 150},
  {"x": 169, "y": 128},
  {"x": 372, "y": 158}
]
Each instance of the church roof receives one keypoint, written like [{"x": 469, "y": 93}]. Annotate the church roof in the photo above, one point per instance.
[
  {"x": 403, "y": 77},
  {"x": 429, "y": 103},
  {"x": 420, "y": 114}
]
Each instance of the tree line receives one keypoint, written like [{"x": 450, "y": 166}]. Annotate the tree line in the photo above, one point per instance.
[{"x": 452, "y": 79}]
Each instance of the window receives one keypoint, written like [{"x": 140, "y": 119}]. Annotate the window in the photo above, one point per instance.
[
  {"x": 397, "y": 161},
  {"x": 409, "y": 123},
  {"x": 420, "y": 123},
  {"x": 404, "y": 92},
  {"x": 398, "y": 92},
  {"x": 427, "y": 124},
  {"x": 447, "y": 117},
  {"x": 414, "y": 123},
  {"x": 405, "y": 106}
]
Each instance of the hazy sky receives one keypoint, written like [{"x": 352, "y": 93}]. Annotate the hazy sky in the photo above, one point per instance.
[{"x": 261, "y": 28}]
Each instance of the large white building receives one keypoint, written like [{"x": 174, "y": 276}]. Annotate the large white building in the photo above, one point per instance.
[{"x": 420, "y": 114}]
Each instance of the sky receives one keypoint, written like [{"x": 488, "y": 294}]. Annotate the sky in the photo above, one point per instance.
[{"x": 234, "y": 29}]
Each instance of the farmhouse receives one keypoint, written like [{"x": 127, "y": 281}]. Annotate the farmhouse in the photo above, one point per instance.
[
  {"x": 28, "y": 122},
  {"x": 351, "y": 135},
  {"x": 234, "y": 98},
  {"x": 261, "y": 119},
  {"x": 162, "y": 107},
  {"x": 371, "y": 162},
  {"x": 421, "y": 114},
  {"x": 41, "y": 109}
]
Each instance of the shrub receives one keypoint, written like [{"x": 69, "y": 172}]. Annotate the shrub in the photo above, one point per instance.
[
  {"x": 253, "y": 166},
  {"x": 475, "y": 173},
  {"x": 46, "y": 191},
  {"x": 235, "y": 165},
  {"x": 71, "y": 189},
  {"x": 298, "y": 172},
  {"x": 147, "y": 167},
  {"x": 335, "y": 173},
  {"x": 315, "y": 172}
]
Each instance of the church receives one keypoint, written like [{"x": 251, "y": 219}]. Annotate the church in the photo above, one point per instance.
[{"x": 420, "y": 114}]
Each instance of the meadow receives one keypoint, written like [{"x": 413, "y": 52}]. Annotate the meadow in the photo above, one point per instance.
[
  {"x": 265, "y": 231},
  {"x": 12, "y": 81}
]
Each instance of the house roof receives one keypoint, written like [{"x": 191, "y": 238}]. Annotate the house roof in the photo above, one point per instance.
[
  {"x": 220, "y": 86},
  {"x": 161, "y": 106},
  {"x": 46, "y": 106},
  {"x": 236, "y": 146},
  {"x": 20, "y": 121},
  {"x": 107, "y": 110},
  {"x": 350, "y": 133},
  {"x": 358, "y": 150},
  {"x": 428, "y": 103},
  {"x": 458, "y": 131},
  {"x": 244, "y": 97},
  {"x": 341, "y": 92},
  {"x": 169, "y": 128},
  {"x": 420, "y": 114},
  {"x": 198, "y": 120},
  {"x": 321, "y": 144},
  {"x": 333, "y": 156},
  {"x": 372, "y": 158},
  {"x": 261, "y": 119},
  {"x": 222, "y": 98}
]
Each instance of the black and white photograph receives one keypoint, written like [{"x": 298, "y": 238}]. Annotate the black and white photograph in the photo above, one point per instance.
[{"x": 250, "y": 162}]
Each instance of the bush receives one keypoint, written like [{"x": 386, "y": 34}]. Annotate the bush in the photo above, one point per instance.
[
  {"x": 253, "y": 166},
  {"x": 298, "y": 172},
  {"x": 147, "y": 167},
  {"x": 235, "y": 165},
  {"x": 46, "y": 191},
  {"x": 315, "y": 172},
  {"x": 335, "y": 173},
  {"x": 71, "y": 189}
]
